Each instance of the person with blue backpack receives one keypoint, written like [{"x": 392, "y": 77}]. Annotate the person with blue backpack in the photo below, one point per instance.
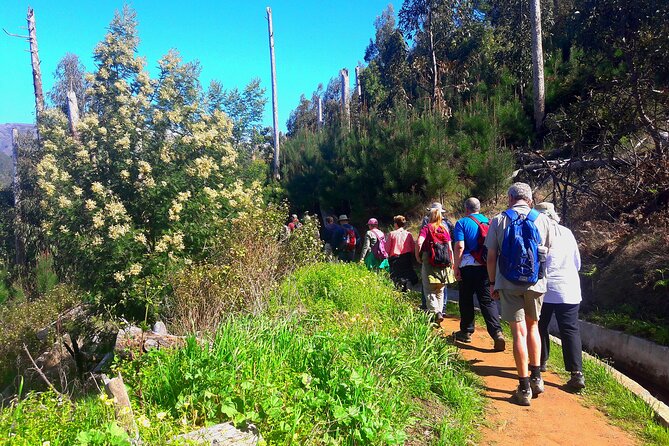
[
  {"x": 518, "y": 241},
  {"x": 470, "y": 270}
]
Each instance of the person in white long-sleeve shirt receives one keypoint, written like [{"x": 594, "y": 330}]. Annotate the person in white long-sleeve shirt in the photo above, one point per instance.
[{"x": 563, "y": 297}]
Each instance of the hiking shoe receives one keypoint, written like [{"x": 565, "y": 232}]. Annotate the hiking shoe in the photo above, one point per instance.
[
  {"x": 500, "y": 342},
  {"x": 438, "y": 318},
  {"x": 577, "y": 381},
  {"x": 537, "y": 386},
  {"x": 542, "y": 367},
  {"x": 522, "y": 397},
  {"x": 462, "y": 336}
]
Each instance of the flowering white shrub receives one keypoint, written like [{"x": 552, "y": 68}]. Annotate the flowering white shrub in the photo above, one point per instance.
[{"x": 150, "y": 182}]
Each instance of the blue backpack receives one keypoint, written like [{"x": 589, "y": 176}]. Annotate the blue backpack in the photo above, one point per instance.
[{"x": 519, "y": 257}]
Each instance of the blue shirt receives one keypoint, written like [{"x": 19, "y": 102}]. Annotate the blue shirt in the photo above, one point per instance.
[{"x": 468, "y": 231}]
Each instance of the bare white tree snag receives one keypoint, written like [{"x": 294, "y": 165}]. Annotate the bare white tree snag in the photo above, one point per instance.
[
  {"x": 16, "y": 188},
  {"x": 345, "y": 106},
  {"x": 116, "y": 390},
  {"x": 72, "y": 113},
  {"x": 275, "y": 112},
  {"x": 34, "y": 58},
  {"x": 537, "y": 64},
  {"x": 358, "y": 87},
  {"x": 320, "y": 112}
]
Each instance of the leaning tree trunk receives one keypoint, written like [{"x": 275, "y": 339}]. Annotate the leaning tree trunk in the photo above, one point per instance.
[{"x": 537, "y": 64}]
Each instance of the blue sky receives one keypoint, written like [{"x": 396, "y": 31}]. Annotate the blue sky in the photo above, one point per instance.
[{"x": 313, "y": 41}]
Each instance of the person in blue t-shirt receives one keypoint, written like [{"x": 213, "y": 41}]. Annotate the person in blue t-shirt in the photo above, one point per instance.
[{"x": 473, "y": 276}]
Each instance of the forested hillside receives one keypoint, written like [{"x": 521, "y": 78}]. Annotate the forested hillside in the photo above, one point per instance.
[{"x": 445, "y": 109}]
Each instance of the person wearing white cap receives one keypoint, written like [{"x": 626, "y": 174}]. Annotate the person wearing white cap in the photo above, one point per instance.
[
  {"x": 434, "y": 274},
  {"x": 446, "y": 224},
  {"x": 562, "y": 298}
]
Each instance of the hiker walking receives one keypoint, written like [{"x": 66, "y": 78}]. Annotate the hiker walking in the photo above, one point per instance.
[
  {"x": 449, "y": 227},
  {"x": 562, "y": 298},
  {"x": 444, "y": 220},
  {"x": 401, "y": 247},
  {"x": 517, "y": 242},
  {"x": 350, "y": 240},
  {"x": 374, "y": 252},
  {"x": 470, "y": 255},
  {"x": 435, "y": 254},
  {"x": 332, "y": 235},
  {"x": 294, "y": 223}
]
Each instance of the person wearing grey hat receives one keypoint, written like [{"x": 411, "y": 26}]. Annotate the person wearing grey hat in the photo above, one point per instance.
[
  {"x": 521, "y": 300},
  {"x": 562, "y": 298}
]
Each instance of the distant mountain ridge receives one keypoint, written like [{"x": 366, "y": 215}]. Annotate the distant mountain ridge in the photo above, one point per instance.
[{"x": 6, "y": 135}]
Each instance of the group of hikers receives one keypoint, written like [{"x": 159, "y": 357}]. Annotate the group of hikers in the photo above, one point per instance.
[{"x": 522, "y": 258}]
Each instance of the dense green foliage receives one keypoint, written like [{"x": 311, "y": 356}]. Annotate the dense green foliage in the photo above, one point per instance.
[
  {"x": 463, "y": 70},
  {"x": 339, "y": 358}
]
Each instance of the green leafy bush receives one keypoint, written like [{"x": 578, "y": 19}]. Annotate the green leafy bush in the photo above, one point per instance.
[{"x": 148, "y": 184}]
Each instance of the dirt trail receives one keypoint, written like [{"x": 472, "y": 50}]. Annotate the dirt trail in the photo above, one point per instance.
[{"x": 556, "y": 417}]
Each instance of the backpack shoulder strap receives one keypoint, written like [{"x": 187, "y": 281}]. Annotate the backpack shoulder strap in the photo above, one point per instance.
[
  {"x": 379, "y": 234},
  {"x": 532, "y": 216},
  {"x": 476, "y": 220},
  {"x": 511, "y": 214}
]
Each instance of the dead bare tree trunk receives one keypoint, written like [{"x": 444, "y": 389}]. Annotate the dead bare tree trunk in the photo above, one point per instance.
[
  {"x": 19, "y": 245},
  {"x": 358, "y": 87},
  {"x": 320, "y": 113},
  {"x": 275, "y": 112},
  {"x": 72, "y": 113},
  {"x": 537, "y": 64},
  {"x": 34, "y": 59},
  {"x": 345, "y": 106},
  {"x": 436, "y": 100}
]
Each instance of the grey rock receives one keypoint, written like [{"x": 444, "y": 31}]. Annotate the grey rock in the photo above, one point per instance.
[
  {"x": 219, "y": 435},
  {"x": 159, "y": 328}
]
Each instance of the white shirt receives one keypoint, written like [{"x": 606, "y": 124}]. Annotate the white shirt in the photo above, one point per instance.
[{"x": 562, "y": 265}]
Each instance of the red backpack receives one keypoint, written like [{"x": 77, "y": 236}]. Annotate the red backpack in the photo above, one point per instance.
[
  {"x": 440, "y": 254},
  {"x": 480, "y": 254},
  {"x": 349, "y": 240}
]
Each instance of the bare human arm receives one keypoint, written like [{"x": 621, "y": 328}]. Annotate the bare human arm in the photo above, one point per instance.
[
  {"x": 457, "y": 252},
  {"x": 492, "y": 271}
]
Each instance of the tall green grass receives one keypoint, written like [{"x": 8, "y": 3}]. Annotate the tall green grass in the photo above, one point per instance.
[{"x": 339, "y": 358}]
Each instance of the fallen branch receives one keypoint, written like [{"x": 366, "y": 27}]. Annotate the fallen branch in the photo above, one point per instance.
[{"x": 42, "y": 375}]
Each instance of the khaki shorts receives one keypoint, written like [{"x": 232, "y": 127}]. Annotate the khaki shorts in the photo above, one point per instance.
[{"x": 518, "y": 305}]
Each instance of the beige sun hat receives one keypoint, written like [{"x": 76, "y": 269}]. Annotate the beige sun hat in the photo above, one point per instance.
[
  {"x": 436, "y": 205},
  {"x": 548, "y": 208}
]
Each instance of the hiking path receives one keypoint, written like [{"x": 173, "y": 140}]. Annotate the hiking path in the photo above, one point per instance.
[{"x": 557, "y": 417}]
